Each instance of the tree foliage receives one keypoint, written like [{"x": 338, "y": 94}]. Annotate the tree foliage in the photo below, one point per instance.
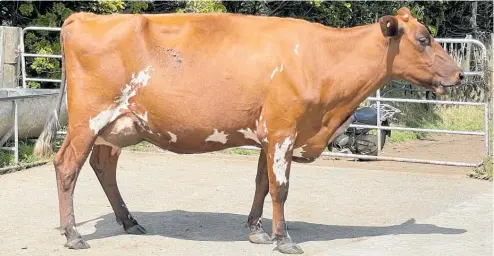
[{"x": 442, "y": 18}]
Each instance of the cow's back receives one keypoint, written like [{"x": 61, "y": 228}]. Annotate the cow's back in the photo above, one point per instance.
[{"x": 203, "y": 72}]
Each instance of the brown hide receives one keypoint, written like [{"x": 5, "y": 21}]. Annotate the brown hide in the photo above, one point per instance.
[
  {"x": 223, "y": 72},
  {"x": 193, "y": 83}
]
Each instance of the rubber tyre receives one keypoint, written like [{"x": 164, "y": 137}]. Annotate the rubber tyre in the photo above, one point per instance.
[{"x": 370, "y": 138}]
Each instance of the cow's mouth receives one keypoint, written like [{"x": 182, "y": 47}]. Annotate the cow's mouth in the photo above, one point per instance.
[{"x": 439, "y": 89}]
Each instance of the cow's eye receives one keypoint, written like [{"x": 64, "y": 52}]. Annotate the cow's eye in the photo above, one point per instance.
[{"x": 423, "y": 40}]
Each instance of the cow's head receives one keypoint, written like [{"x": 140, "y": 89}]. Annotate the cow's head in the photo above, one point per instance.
[{"x": 415, "y": 56}]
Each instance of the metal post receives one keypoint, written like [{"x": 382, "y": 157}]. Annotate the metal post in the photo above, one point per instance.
[
  {"x": 378, "y": 96},
  {"x": 491, "y": 87},
  {"x": 16, "y": 132},
  {"x": 23, "y": 60},
  {"x": 466, "y": 64},
  {"x": 1, "y": 57},
  {"x": 486, "y": 129}
]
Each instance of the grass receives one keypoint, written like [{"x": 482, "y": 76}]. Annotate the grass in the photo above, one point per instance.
[
  {"x": 241, "y": 151},
  {"x": 464, "y": 118},
  {"x": 141, "y": 146},
  {"x": 26, "y": 156},
  {"x": 483, "y": 172}
]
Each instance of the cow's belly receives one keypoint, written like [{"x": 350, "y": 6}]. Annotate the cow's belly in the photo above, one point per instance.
[
  {"x": 197, "y": 142},
  {"x": 182, "y": 131}
]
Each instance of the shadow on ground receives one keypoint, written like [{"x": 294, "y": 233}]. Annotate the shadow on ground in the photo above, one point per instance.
[{"x": 209, "y": 226}]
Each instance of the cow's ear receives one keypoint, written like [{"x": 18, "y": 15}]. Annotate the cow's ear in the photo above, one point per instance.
[{"x": 389, "y": 26}]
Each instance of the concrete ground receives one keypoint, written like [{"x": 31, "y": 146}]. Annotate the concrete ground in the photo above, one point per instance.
[{"x": 198, "y": 205}]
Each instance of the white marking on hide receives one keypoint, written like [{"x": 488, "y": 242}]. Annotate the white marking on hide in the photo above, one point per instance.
[
  {"x": 146, "y": 116},
  {"x": 299, "y": 151},
  {"x": 296, "y": 49},
  {"x": 249, "y": 134},
  {"x": 143, "y": 117},
  {"x": 280, "y": 69},
  {"x": 173, "y": 137},
  {"x": 265, "y": 128},
  {"x": 101, "y": 120},
  {"x": 274, "y": 72},
  {"x": 387, "y": 24},
  {"x": 217, "y": 137},
  {"x": 280, "y": 164},
  {"x": 122, "y": 103}
]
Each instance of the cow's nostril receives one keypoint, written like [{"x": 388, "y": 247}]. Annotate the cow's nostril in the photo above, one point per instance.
[{"x": 461, "y": 75}]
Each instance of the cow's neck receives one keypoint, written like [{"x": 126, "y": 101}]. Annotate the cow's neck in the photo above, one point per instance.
[{"x": 357, "y": 58}]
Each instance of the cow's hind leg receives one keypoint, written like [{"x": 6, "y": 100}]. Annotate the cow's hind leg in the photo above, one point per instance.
[
  {"x": 104, "y": 163},
  {"x": 68, "y": 163},
  {"x": 257, "y": 234},
  {"x": 279, "y": 154}
]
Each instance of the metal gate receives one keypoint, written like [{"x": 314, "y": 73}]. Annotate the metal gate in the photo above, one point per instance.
[
  {"x": 378, "y": 99},
  {"x": 485, "y": 105}
]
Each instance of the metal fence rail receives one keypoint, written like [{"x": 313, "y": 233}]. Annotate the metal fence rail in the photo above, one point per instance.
[
  {"x": 378, "y": 99},
  {"x": 26, "y": 79}
]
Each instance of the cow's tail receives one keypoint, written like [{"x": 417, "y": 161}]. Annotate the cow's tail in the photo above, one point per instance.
[{"x": 44, "y": 144}]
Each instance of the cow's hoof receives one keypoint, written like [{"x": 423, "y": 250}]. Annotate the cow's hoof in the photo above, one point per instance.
[
  {"x": 289, "y": 248},
  {"x": 136, "y": 230},
  {"x": 77, "y": 244},
  {"x": 259, "y": 237}
]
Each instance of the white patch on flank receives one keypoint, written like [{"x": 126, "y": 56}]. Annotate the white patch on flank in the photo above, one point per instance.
[
  {"x": 296, "y": 49},
  {"x": 249, "y": 134},
  {"x": 274, "y": 72},
  {"x": 173, "y": 137},
  {"x": 265, "y": 128},
  {"x": 280, "y": 69},
  {"x": 280, "y": 164},
  {"x": 299, "y": 151},
  {"x": 217, "y": 137},
  {"x": 101, "y": 120},
  {"x": 122, "y": 103}
]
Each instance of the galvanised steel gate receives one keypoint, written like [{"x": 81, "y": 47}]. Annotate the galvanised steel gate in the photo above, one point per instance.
[{"x": 483, "y": 73}]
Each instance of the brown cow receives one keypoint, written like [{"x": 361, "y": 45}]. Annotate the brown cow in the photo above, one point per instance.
[{"x": 193, "y": 83}]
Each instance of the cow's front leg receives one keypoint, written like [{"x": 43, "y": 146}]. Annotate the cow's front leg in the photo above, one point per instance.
[{"x": 279, "y": 155}]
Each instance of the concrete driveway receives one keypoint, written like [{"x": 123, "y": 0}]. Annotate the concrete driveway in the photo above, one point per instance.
[{"x": 198, "y": 205}]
